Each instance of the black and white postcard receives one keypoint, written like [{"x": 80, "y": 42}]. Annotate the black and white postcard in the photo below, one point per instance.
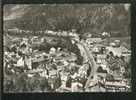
[{"x": 66, "y": 48}]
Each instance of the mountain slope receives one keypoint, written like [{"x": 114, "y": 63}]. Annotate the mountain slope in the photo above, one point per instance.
[{"x": 94, "y": 18}]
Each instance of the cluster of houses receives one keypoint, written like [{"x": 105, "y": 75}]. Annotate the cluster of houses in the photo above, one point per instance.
[{"x": 53, "y": 65}]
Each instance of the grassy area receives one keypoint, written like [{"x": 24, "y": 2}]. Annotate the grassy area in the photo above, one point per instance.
[
  {"x": 122, "y": 39},
  {"x": 126, "y": 40}
]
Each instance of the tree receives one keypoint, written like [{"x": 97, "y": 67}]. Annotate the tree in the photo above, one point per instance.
[{"x": 96, "y": 17}]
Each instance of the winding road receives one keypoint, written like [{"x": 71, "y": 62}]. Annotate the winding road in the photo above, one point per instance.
[{"x": 89, "y": 56}]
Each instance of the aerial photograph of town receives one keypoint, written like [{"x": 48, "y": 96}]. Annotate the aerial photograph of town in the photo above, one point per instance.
[{"x": 66, "y": 48}]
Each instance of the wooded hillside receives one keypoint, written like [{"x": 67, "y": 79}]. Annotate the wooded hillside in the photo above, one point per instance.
[{"x": 92, "y": 18}]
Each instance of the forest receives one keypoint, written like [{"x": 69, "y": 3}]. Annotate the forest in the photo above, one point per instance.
[{"x": 85, "y": 18}]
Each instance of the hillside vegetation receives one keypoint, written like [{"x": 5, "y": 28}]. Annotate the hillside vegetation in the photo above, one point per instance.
[{"x": 92, "y": 18}]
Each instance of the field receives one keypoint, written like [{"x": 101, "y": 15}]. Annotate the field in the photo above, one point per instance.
[
  {"x": 122, "y": 39},
  {"x": 126, "y": 41}
]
